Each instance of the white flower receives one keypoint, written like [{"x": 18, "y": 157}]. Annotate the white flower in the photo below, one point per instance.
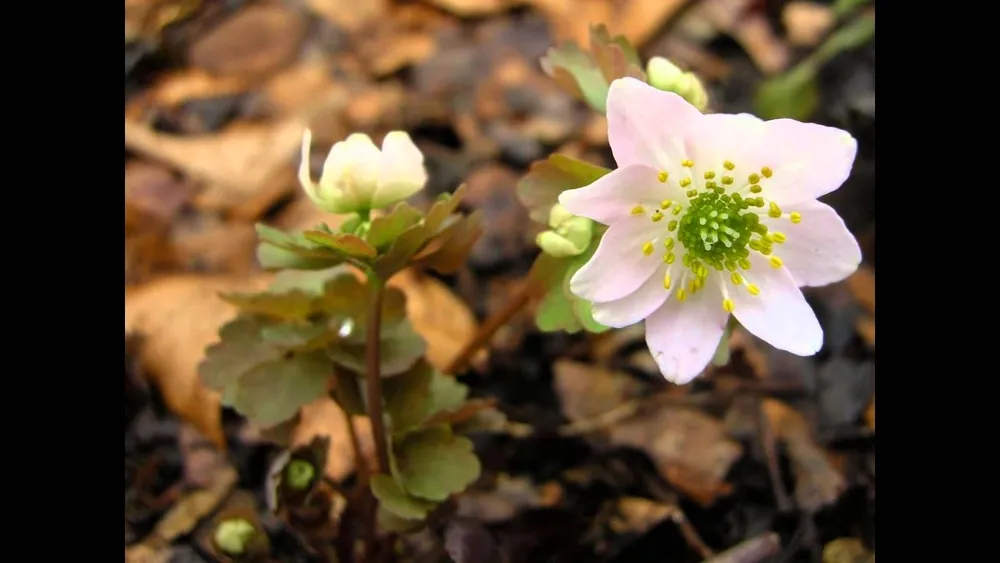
[
  {"x": 358, "y": 177},
  {"x": 710, "y": 215}
]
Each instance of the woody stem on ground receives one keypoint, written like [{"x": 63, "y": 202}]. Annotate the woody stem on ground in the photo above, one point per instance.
[
  {"x": 373, "y": 373},
  {"x": 492, "y": 324}
]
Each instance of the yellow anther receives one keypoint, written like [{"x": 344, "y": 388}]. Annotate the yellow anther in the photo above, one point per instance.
[
  {"x": 728, "y": 165},
  {"x": 743, "y": 263},
  {"x": 778, "y": 237},
  {"x": 665, "y": 204},
  {"x": 754, "y": 178},
  {"x": 686, "y": 260},
  {"x": 776, "y": 262},
  {"x": 657, "y": 216},
  {"x": 727, "y": 180},
  {"x": 647, "y": 248},
  {"x": 765, "y": 249},
  {"x": 669, "y": 243},
  {"x": 668, "y": 258},
  {"x": 766, "y": 237},
  {"x": 767, "y": 172},
  {"x": 687, "y": 163},
  {"x": 693, "y": 286},
  {"x": 677, "y": 209},
  {"x": 662, "y": 176},
  {"x": 796, "y": 217},
  {"x": 672, "y": 225},
  {"x": 753, "y": 289},
  {"x": 685, "y": 182},
  {"x": 692, "y": 193},
  {"x": 710, "y": 185},
  {"x": 755, "y": 189},
  {"x": 681, "y": 295},
  {"x": 638, "y": 210},
  {"x": 666, "y": 281},
  {"x": 774, "y": 211},
  {"x": 709, "y": 175},
  {"x": 737, "y": 278},
  {"x": 727, "y": 304}
]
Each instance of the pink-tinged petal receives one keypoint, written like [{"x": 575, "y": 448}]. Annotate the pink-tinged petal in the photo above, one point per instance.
[
  {"x": 648, "y": 126},
  {"x": 305, "y": 175},
  {"x": 401, "y": 173},
  {"x": 779, "y": 315},
  {"x": 619, "y": 267},
  {"x": 613, "y": 196},
  {"x": 720, "y": 137},
  {"x": 683, "y": 336},
  {"x": 808, "y": 160},
  {"x": 819, "y": 250},
  {"x": 636, "y": 306}
]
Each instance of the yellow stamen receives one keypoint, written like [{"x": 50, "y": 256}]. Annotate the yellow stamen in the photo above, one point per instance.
[
  {"x": 776, "y": 262},
  {"x": 647, "y": 248},
  {"x": 672, "y": 225},
  {"x": 709, "y": 175},
  {"x": 665, "y": 204},
  {"x": 685, "y": 182},
  {"x": 691, "y": 193},
  {"x": 677, "y": 209},
  {"x": 744, "y": 263},
  {"x": 638, "y": 210},
  {"x": 666, "y": 281},
  {"x": 727, "y": 304},
  {"x": 657, "y": 216},
  {"x": 737, "y": 278},
  {"x": 662, "y": 176},
  {"x": 728, "y": 165},
  {"x": 669, "y": 243},
  {"x": 774, "y": 211},
  {"x": 767, "y": 172},
  {"x": 681, "y": 295},
  {"x": 754, "y": 178},
  {"x": 755, "y": 189},
  {"x": 753, "y": 289},
  {"x": 687, "y": 163},
  {"x": 727, "y": 180},
  {"x": 668, "y": 258},
  {"x": 796, "y": 217},
  {"x": 778, "y": 237}
]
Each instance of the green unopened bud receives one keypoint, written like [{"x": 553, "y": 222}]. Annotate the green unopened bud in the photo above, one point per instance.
[
  {"x": 570, "y": 235},
  {"x": 667, "y": 76},
  {"x": 233, "y": 536},
  {"x": 300, "y": 474}
]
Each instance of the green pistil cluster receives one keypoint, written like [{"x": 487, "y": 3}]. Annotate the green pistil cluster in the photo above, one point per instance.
[{"x": 717, "y": 228}]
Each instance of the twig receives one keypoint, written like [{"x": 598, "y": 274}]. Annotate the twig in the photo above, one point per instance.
[
  {"x": 360, "y": 463},
  {"x": 691, "y": 535},
  {"x": 492, "y": 324},
  {"x": 373, "y": 374},
  {"x": 767, "y": 442},
  {"x": 751, "y": 551}
]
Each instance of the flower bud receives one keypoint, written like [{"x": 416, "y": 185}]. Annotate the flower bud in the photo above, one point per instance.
[
  {"x": 570, "y": 235},
  {"x": 667, "y": 76},
  {"x": 358, "y": 177}
]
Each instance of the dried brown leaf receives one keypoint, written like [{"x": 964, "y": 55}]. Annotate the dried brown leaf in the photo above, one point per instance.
[
  {"x": 807, "y": 22},
  {"x": 639, "y": 515},
  {"x": 817, "y": 482},
  {"x": 862, "y": 284},
  {"x": 866, "y": 328},
  {"x": 475, "y": 8},
  {"x": 349, "y": 15},
  {"x": 255, "y": 41},
  {"x": 509, "y": 496},
  {"x": 588, "y": 391},
  {"x": 324, "y": 417},
  {"x": 690, "y": 448},
  {"x": 177, "y": 317}
]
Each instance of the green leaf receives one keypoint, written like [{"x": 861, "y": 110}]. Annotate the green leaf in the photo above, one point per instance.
[
  {"x": 793, "y": 95},
  {"x": 273, "y": 391},
  {"x": 291, "y": 306},
  {"x": 392, "y": 523},
  {"x": 295, "y": 335},
  {"x": 408, "y": 397},
  {"x": 398, "y": 354},
  {"x": 239, "y": 350},
  {"x": 412, "y": 240},
  {"x": 448, "y": 251},
  {"x": 433, "y": 463},
  {"x": 539, "y": 189},
  {"x": 559, "y": 309},
  {"x": 587, "y": 75},
  {"x": 347, "y": 391},
  {"x": 344, "y": 243},
  {"x": 278, "y": 250},
  {"x": 446, "y": 394},
  {"x": 395, "y": 500},
  {"x": 312, "y": 282},
  {"x": 387, "y": 228}
]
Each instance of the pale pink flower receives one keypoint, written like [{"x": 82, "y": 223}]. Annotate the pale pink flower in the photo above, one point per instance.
[{"x": 710, "y": 215}]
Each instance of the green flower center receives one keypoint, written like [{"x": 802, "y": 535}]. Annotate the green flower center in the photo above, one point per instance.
[
  {"x": 716, "y": 229},
  {"x": 300, "y": 474}
]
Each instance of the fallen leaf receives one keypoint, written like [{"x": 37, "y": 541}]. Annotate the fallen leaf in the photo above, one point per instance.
[
  {"x": 508, "y": 497},
  {"x": 438, "y": 315},
  {"x": 862, "y": 284},
  {"x": 639, "y": 515},
  {"x": 588, "y": 391},
  {"x": 758, "y": 548},
  {"x": 349, "y": 15},
  {"x": 847, "y": 550},
  {"x": 255, "y": 41},
  {"x": 817, "y": 483},
  {"x": 177, "y": 317},
  {"x": 223, "y": 248},
  {"x": 475, "y": 8},
  {"x": 468, "y": 541},
  {"x": 636, "y": 20},
  {"x": 323, "y": 417},
  {"x": 866, "y": 328},
  {"x": 689, "y": 448},
  {"x": 756, "y": 36},
  {"x": 306, "y": 86},
  {"x": 870, "y": 414},
  {"x": 807, "y": 22},
  {"x": 235, "y": 163},
  {"x": 176, "y": 87}
]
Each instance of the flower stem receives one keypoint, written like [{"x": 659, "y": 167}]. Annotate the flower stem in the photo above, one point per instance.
[
  {"x": 492, "y": 324},
  {"x": 373, "y": 372}
]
